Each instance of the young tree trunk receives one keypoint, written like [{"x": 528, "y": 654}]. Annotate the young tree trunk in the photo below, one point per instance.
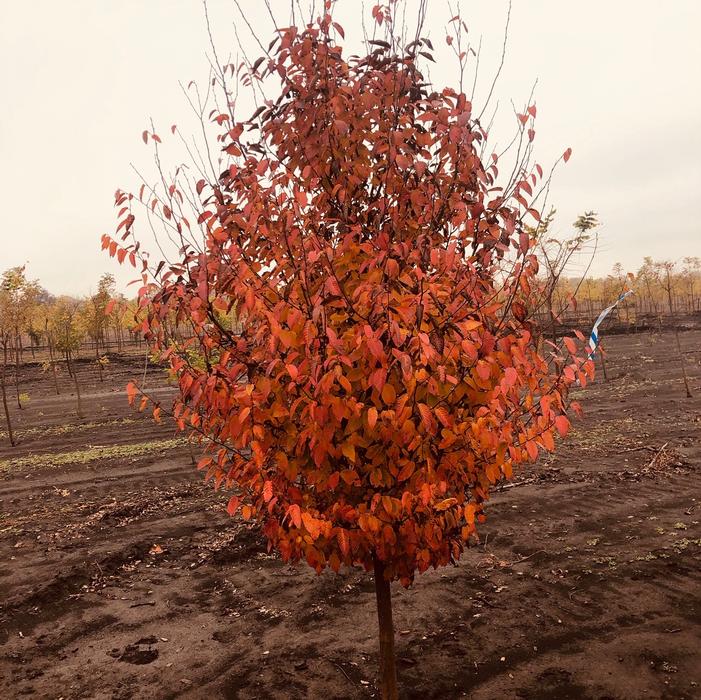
[
  {"x": 676, "y": 335},
  {"x": 603, "y": 362},
  {"x": 192, "y": 453},
  {"x": 18, "y": 352},
  {"x": 388, "y": 671},
  {"x": 551, "y": 314},
  {"x": 99, "y": 364},
  {"x": 52, "y": 360},
  {"x": 77, "y": 389},
  {"x": 4, "y": 396},
  {"x": 682, "y": 363}
]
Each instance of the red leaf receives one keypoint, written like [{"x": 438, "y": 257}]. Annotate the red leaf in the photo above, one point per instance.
[
  {"x": 562, "y": 425},
  {"x": 132, "y": 391},
  {"x": 571, "y": 345},
  {"x": 510, "y": 377},
  {"x": 343, "y": 541},
  {"x": 233, "y": 505},
  {"x": 267, "y": 491},
  {"x": 483, "y": 370},
  {"x": 372, "y": 417},
  {"x": 341, "y": 126},
  {"x": 295, "y": 515},
  {"x": 532, "y": 450}
]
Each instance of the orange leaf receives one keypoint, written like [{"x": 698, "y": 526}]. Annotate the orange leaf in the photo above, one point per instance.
[
  {"x": 389, "y": 395},
  {"x": 483, "y": 369},
  {"x": 348, "y": 451},
  {"x": 563, "y": 425},
  {"x": 295, "y": 515},
  {"x": 267, "y": 491},
  {"x": 132, "y": 391},
  {"x": 532, "y": 450},
  {"x": 233, "y": 505},
  {"x": 372, "y": 417},
  {"x": 343, "y": 541}
]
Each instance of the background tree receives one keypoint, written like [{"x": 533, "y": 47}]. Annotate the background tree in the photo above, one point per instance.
[
  {"x": 94, "y": 312},
  {"x": 648, "y": 283},
  {"x": 118, "y": 317},
  {"x": 555, "y": 256},
  {"x": 34, "y": 324},
  {"x": 6, "y": 330},
  {"x": 44, "y": 314},
  {"x": 20, "y": 298},
  {"x": 385, "y": 376},
  {"x": 691, "y": 274},
  {"x": 67, "y": 330},
  {"x": 666, "y": 271}
]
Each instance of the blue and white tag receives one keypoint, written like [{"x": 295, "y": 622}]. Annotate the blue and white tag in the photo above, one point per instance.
[{"x": 594, "y": 336}]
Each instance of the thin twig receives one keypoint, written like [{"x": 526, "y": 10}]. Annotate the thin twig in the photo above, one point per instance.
[
  {"x": 518, "y": 561},
  {"x": 657, "y": 454},
  {"x": 341, "y": 669}
]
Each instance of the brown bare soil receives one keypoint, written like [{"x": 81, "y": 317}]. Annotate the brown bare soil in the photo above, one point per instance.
[{"x": 121, "y": 576}]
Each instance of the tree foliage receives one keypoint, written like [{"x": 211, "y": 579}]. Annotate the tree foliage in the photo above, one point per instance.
[{"x": 385, "y": 377}]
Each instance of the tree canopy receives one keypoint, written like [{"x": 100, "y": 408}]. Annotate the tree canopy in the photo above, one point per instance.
[{"x": 386, "y": 374}]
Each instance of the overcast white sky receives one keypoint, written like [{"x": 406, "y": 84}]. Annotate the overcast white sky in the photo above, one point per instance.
[{"x": 617, "y": 81}]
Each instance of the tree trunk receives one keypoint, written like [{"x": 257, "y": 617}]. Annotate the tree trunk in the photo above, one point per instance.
[
  {"x": 603, "y": 362},
  {"x": 676, "y": 335},
  {"x": 99, "y": 364},
  {"x": 388, "y": 671},
  {"x": 17, "y": 361},
  {"x": 4, "y": 396},
  {"x": 681, "y": 361},
  {"x": 77, "y": 390},
  {"x": 52, "y": 360}
]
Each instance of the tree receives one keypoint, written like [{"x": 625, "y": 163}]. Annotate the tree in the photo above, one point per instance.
[
  {"x": 555, "y": 254},
  {"x": 666, "y": 271},
  {"x": 117, "y": 314},
  {"x": 95, "y": 314},
  {"x": 691, "y": 273},
  {"x": 43, "y": 316},
  {"x": 20, "y": 296},
  {"x": 385, "y": 376},
  {"x": 67, "y": 330},
  {"x": 6, "y": 330},
  {"x": 648, "y": 275}
]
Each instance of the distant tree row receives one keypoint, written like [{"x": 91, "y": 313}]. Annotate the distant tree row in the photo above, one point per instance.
[
  {"x": 663, "y": 289},
  {"x": 32, "y": 320}
]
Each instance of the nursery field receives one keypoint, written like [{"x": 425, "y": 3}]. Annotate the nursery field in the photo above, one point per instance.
[{"x": 121, "y": 575}]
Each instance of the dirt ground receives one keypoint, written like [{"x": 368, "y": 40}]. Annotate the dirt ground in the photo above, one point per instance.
[{"x": 121, "y": 576}]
